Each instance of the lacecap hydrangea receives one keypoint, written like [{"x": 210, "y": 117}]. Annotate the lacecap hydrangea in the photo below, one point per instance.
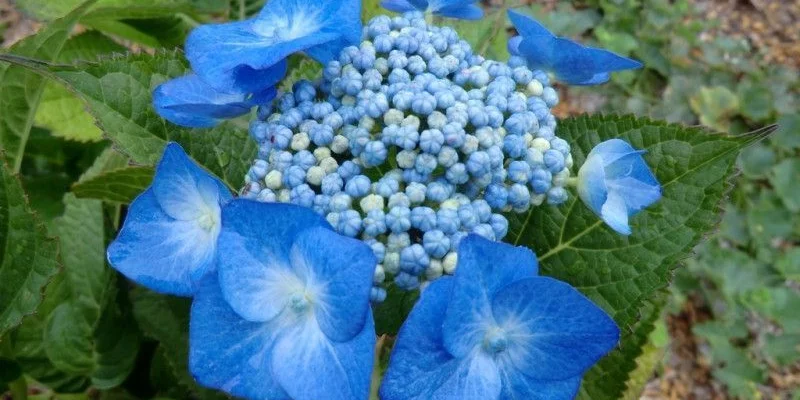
[{"x": 410, "y": 142}]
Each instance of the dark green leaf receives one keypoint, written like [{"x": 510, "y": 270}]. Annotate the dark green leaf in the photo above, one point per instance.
[
  {"x": 786, "y": 181},
  {"x": 27, "y": 256},
  {"x": 390, "y": 314},
  {"x": 693, "y": 167},
  {"x": 104, "y": 9},
  {"x": 116, "y": 186},
  {"x": 20, "y": 89}
]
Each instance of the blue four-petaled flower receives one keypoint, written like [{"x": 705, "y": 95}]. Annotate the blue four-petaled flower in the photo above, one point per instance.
[
  {"x": 249, "y": 56},
  {"x": 571, "y": 62},
  {"x": 497, "y": 331},
  {"x": 168, "y": 242},
  {"x": 288, "y": 314},
  {"x": 461, "y": 9},
  {"x": 190, "y": 102},
  {"x": 616, "y": 183}
]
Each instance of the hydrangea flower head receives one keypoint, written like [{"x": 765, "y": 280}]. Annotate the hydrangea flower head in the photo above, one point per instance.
[
  {"x": 288, "y": 315},
  {"x": 616, "y": 183},
  {"x": 249, "y": 56},
  {"x": 461, "y": 9},
  {"x": 168, "y": 241},
  {"x": 570, "y": 61},
  {"x": 190, "y": 102},
  {"x": 497, "y": 331},
  {"x": 412, "y": 141}
]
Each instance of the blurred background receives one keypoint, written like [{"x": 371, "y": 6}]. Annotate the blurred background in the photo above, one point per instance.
[{"x": 731, "y": 325}]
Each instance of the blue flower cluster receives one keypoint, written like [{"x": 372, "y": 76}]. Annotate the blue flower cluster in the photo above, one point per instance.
[{"x": 410, "y": 142}]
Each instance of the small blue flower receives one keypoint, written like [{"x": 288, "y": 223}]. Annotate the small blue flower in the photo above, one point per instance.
[
  {"x": 250, "y": 56},
  {"x": 190, "y": 102},
  {"x": 616, "y": 183},
  {"x": 571, "y": 62},
  {"x": 168, "y": 242},
  {"x": 497, "y": 331},
  {"x": 288, "y": 316},
  {"x": 461, "y": 9}
]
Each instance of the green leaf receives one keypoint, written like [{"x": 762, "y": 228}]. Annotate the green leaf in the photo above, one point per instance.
[
  {"x": 788, "y": 133},
  {"x": 300, "y": 67},
  {"x": 390, "y": 314},
  {"x": 487, "y": 36},
  {"x": 621, "y": 273},
  {"x": 61, "y": 111},
  {"x": 20, "y": 90},
  {"x": 714, "y": 105},
  {"x": 104, "y": 9},
  {"x": 785, "y": 178},
  {"x": 789, "y": 264},
  {"x": 116, "y": 186},
  {"x": 117, "y": 91},
  {"x": 757, "y": 160},
  {"x": 757, "y": 101},
  {"x": 27, "y": 257}
]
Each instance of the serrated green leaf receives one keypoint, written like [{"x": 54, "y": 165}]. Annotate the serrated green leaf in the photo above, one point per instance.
[
  {"x": 714, "y": 105},
  {"x": 20, "y": 89},
  {"x": 61, "y": 111},
  {"x": 27, "y": 257},
  {"x": 117, "y": 90},
  {"x": 693, "y": 167},
  {"x": 756, "y": 160},
  {"x": 390, "y": 314},
  {"x": 116, "y": 186}
]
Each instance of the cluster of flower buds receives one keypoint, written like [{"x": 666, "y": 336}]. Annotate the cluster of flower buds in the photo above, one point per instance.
[{"x": 410, "y": 142}]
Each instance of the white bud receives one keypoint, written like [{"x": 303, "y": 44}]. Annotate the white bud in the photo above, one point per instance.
[
  {"x": 540, "y": 144},
  {"x": 329, "y": 165},
  {"x": 528, "y": 139},
  {"x": 535, "y": 88},
  {"x": 412, "y": 121},
  {"x": 391, "y": 262},
  {"x": 284, "y": 195},
  {"x": 300, "y": 141},
  {"x": 333, "y": 218},
  {"x": 471, "y": 145},
  {"x": 366, "y": 123},
  {"x": 274, "y": 117},
  {"x": 314, "y": 175},
  {"x": 340, "y": 144},
  {"x": 538, "y": 199},
  {"x": 560, "y": 179},
  {"x": 321, "y": 153},
  {"x": 393, "y": 117},
  {"x": 274, "y": 180},
  {"x": 348, "y": 100},
  {"x": 434, "y": 270},
  {"x": 406, "y": 158},
  {"x": 451, "y": 203},
  {"x": 569, "y": 162},
  {"x": 449, "y": 263},
  {"x": 371, "y": 202},
  {"x": 437, "y": 120},
  {"x": 379, "y": 275}
]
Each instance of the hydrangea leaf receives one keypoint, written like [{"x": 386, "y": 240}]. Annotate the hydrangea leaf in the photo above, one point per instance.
[
  {"x": 621, "y": 274},
  {"x": 117, "y": 92},
  {"x": 28, "y": 259},
  {"x": 784, "y": 179},
  {"x": 20, "y": 89},
  {"x": 61, "y": 111},
  {"x": 116, "y": 186},
  {"x": 104, "y": 9}
]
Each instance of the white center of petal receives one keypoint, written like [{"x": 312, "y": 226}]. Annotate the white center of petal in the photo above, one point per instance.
[
  {"x": 208, "y": 219},
  {"x": 299, "y": 302},
  {"x": 301, "y": 24},
  {"x": 495, "y": 341}
]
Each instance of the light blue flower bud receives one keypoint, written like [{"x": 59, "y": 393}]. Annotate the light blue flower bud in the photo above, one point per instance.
[
  {"x": 436, "y": 243},
  {"x": 550, "y": 97},
  {"x": 499, "y": 225},
  {"x": 479, "y": 163},
  {"x": 484, "y": 230},
  {"x": 414, "y": 259},
  {"x": 457, "y": 174},
  {"x": 541, "y": 180},
  {"x": 348, "y": 169},
  {"x": 425, "y": 163},
  {"x": 438, "y": 191},
  {"x": 302, "y": 195},
  {"x": 375, "y": 223},
  {"x": 294, "y": 176},
  {"x": 447, "y": 220},
  {"x": 556, "y": 195},
  {"x": 423, "y": 218},
  {"x": 519, "y": 196},
  {"x": 398, "y": 219},
  {"x": 482, "y": 210},
  {"x": 349, "y": 223},
  {"x": 519, "y": 171},
  {"x": 496, "y": 195},
  {"x": 554, "y": 160},
  {"x": 406, "y": 281},
  {"x": 357, "y": 186}
]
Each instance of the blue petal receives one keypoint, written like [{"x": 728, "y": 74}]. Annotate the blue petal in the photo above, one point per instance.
[
  {"x": 310, "y": 366},
  {"x": 184, "y": 190},
  {"x": 334, "y": 24},
  {"x": 168, "y": 241},
  {"x": 526, "y": 25},
  {"x": 484, "y": 267},
  {"x": 419, "y": 363},
  {"x": 227, "y": 352},
  {"x": 460, "y": 9},
  {"x": 554, "y": 332},
  {"x": 256, "y": 273},
  {"x": 521, "y": 387},
  {"x": 592, "y": 183},
  {"x": 636, "y": 193},
  {"x": 539, "y": 51},
  {"x": 421, "y": 5},
  {"x": 188, "y": 101},
  {"x": 615, "y": 213},
  {"x": 234, "y": 58},
  {"x": 159, "y": 252},
  {"x": 572, "y": 62},
  {"x": 607, "y": 61},
  {"x": 341, "y": 270},
  {"x": 611, "y": 150},
  {"x": 476, "y": 377},
  {"x": 513, "y": 45},
  {"x": 400, "y": 6},
  {"x": 597, "y": 79}
]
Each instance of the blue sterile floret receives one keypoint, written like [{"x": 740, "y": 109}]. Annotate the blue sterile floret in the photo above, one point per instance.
[
  {"x": 413, "y": 141},
  {"x": 497, "y": 330}
]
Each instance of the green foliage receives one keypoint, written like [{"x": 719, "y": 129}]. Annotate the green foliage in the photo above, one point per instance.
[
  {"x": 621, "y": 274},
  {"x": 20, "y": 90},
  {"x": 116, "y": 186},
  {"x": 28, "y": 258}
]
